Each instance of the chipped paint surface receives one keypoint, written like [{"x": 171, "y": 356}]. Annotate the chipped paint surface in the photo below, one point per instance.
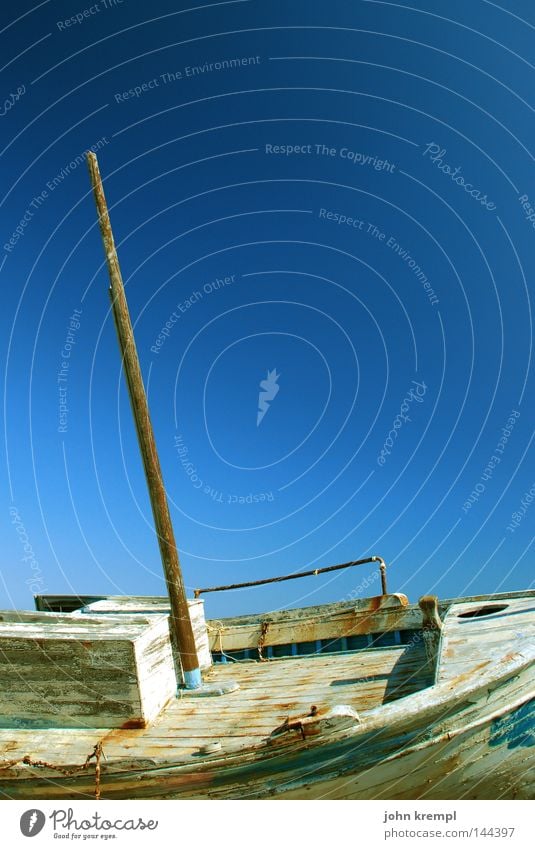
[
  {"x": 60, "y": 670},
  {"x": 358, "y": 724},
  {"x": 516, "y": 728}
]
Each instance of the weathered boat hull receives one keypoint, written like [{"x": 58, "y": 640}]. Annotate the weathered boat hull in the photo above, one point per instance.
[
  {"x": 493, "y": 760},
  {"x": 446, "y": 715},
  {"x": 461, "y": 739}
]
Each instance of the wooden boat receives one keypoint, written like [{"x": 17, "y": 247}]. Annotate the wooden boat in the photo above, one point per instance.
[
  {"x": 375, "y": 698},
  {"x": 348, "y": 700}
]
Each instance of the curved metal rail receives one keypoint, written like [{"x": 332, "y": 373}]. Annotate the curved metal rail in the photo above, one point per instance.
[{"x": 375, "y": 559}]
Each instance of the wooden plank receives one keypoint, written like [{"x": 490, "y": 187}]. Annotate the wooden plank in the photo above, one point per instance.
[
  {"x": 253, "y": 713},
  {"x": 12, "y": 618},
  {"x": 181, "y": 628},
  {"x": 153, "y": 606},
  {"x": 69, "y": 603},
  {"x": 56, "y": 668},
  {"x": 276, "y": 671},
  {"x": 116, "y": 746},
  {"x": 478, "y": 639},
  {"x": 248, "y": 636},
  {"x": 143, "y": 604},
  {"x": 273, "y": 690}
]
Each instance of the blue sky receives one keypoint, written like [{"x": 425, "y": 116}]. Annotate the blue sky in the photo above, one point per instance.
[{"x": 333, "y": 199}]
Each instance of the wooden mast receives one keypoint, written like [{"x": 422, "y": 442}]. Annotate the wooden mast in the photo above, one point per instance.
[{"x": 181, "y": 627}]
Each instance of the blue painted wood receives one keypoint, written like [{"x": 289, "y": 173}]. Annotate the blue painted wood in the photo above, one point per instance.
[
  {"x": 516, "y": 728},
  {"x": 192, "y": 679}
]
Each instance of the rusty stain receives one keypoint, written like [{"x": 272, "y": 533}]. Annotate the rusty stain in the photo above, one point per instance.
[
  {"x": 294, "y": 696},
  {"x": 133, "y": 723},
  {"x": 97, "y": 753}
]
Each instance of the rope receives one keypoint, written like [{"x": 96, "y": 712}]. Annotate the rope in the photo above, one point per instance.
[
  {"x": 9, "y": 764},
  {"x": 222, "y": 652},
  {"x": 262, "y": 640},
  {"x": 219, "y": 632},
  {"x": 97, "y": 753}
]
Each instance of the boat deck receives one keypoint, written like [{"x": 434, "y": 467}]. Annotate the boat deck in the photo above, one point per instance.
[
  {"x": 298, "y": 704},
  {"x": 481, "y": 633},
  {"x": 269, "y": 692}
]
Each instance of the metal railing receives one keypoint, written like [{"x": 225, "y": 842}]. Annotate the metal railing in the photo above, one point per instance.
[{"x": 375, "y": 559}]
